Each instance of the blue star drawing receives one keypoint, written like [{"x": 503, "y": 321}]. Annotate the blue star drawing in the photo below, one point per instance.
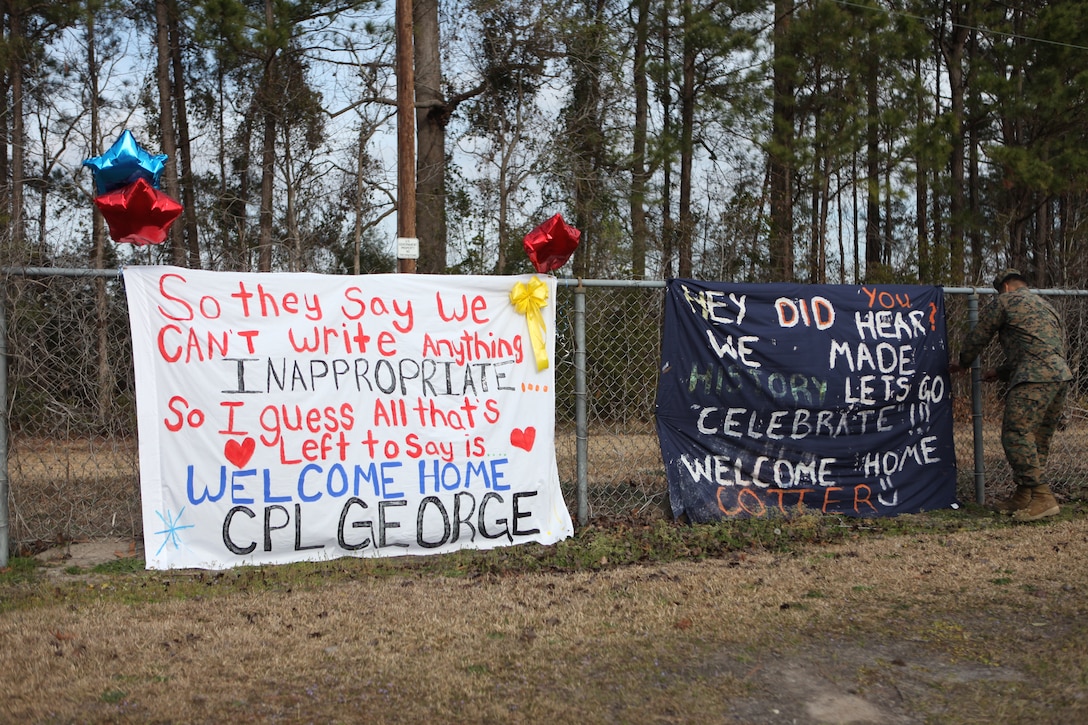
[{"x": 170, "y": 533}]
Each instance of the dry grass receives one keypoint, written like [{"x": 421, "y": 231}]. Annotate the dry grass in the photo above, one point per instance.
[
  {"x": 959, "y": 627},
  {"x": 966, "y": 627},
  {"x": 73, "y": 489},
  {"x": 42, "y": 460}
]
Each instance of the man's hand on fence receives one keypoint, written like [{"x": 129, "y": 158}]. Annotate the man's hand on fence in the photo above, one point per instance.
[{"x": 988, "y": 376}]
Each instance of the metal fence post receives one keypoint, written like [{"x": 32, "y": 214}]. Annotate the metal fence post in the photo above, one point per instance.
[
  {"x": 976, "y": 406},
  {"x": 580, "y": 406},
  {"x": 4, "y": 529}
]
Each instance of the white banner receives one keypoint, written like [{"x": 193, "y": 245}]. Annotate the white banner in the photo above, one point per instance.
[{"x": 290, "y": 417}]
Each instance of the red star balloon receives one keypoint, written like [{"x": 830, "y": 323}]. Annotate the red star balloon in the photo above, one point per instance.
[
  {"x": 550, "y": 245},
  {"x": 138, "y": 214}
]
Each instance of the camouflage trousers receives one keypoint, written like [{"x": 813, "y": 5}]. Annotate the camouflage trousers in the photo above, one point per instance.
[{"x": 1032, "y": 414}]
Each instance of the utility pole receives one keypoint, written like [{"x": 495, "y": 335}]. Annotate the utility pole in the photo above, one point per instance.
[{"x": 407, "y": 243}]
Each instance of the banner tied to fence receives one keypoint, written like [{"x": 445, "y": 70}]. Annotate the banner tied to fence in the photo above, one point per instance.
[
  {"x": 777, "y": 398},
  {"x": 289, "y": 417}
]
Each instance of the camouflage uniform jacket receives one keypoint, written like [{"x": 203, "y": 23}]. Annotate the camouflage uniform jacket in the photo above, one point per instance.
[{"x": 1032, "y": 337}]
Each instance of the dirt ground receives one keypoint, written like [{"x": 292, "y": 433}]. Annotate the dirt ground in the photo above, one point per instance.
[{"x": 970, "y": 627}]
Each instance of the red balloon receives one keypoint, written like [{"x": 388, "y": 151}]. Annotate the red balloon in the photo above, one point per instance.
[
  {"x": 138, "y": 213},
  {"x": 550, "y": 245}
]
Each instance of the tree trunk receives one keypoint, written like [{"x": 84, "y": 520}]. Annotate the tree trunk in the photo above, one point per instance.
[
  {"x": 687, "y": 131},
  {"x": 840, "y": 234},
  {"x": 360, "y": 197},
  {"x": 817, "y": 254},
  {"x": 874, "y": 239},
  {"x": 780, "y": 157},
  {"x": 238, "y": 206},
  {"x": 975, "y": 119},
  {"x": 938, "y": 251},
  {"x": 42, "y": 181},
  {"x": 166, "y": 121},
  {"x": 406, "y": 132},
  {"x": 639, "y": 178},
  {"x": 268, "y": 176},
  {"x": 953, "y": 51},
  {"x": 293, "y": 243},
  {"x": 268, "y": 154},
  {"x": 667, "y": 224},
  {"x": 104, "y": 377},
  {"x": 1064, "y": 260},
  {"x": 432, "y": 114},
  {"x": 855, "y": 207},
  {"x": 587, "y": 134},
  {"x": 921, "y": 191},
  {"x": 504, "y": 207},
  {"x": 5, "y": 112},
  {"x": 825, "y": 204},
  {"x": 819, "y": 153},
  {"x": 18, "y": 143},
  {"x": 1043, "y": 244},
  {"x": 185, "y": 156}
]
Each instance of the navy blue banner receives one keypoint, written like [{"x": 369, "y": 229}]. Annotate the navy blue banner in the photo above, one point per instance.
[{"x": 779, "y": 398}]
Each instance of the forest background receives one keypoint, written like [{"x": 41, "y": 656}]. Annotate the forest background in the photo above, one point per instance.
[{"x": 834, "y": 141}]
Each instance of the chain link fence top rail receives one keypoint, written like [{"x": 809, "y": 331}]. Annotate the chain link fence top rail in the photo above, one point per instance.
[{"x": 72, "y": 459}]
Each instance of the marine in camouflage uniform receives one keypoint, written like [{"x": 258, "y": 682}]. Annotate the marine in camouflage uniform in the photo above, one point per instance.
[{"x": 1032, "y": 338}]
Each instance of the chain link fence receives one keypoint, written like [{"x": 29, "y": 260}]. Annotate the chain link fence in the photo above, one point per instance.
[{"x": 72, "y": 454}]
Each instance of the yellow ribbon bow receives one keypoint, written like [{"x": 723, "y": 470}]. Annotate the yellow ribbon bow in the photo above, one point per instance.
[{"x": 529, "y": 299}]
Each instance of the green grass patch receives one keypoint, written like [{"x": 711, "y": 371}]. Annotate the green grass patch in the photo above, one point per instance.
[
  {"x": 19, "y": 569},
  {"x": 128, "y": 565}
]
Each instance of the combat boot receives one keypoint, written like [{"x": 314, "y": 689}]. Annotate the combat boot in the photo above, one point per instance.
[
  {"x": 1020, "y": 499},
  {"x": 1042, "y": 504}
]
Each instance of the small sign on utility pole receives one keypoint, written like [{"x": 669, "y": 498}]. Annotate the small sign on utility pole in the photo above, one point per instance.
[{"x": 407, "y": 248}]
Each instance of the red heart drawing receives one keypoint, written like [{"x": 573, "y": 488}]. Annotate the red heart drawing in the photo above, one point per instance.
[
  {"x": 523, "y": 438},
  {"x": 239, "y": 453}
]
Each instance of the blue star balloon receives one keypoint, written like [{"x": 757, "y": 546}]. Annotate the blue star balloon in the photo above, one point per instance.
[{"x": 125, "y": 162}]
